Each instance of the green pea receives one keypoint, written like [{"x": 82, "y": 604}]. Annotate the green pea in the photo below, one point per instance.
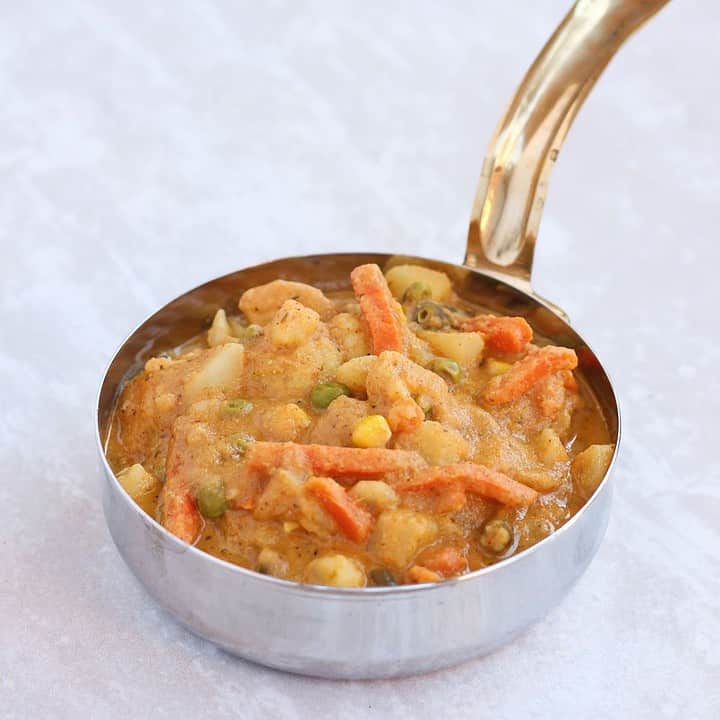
[
  {"x": 382, "y": 577},
  {"x": 432, "y": 316},
  {"x": 238, "y": 406},
  {"x": 241, "y": 441},
  {"x": 416, "y": 292},
  {"x": 211, "y": 498},
  {"x": 324, "y": 393},
  {"x": 497, "y": 537},
  {"x": 448, "y": 367}
]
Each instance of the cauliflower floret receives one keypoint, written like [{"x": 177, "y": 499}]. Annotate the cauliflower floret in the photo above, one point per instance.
[
  {"x": 292, "y": 326},
  {"x": 293, "y": 355},
  {"x": 335, "y": 425},
  {"x": 348, "y": 332},
  {"x": 260, "y": 303}
]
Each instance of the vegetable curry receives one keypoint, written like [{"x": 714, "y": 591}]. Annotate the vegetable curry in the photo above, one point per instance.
[{"x": 393, "y": 435}]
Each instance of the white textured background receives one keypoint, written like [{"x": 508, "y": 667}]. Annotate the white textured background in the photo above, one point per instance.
[{"x": 144, "y": 149}]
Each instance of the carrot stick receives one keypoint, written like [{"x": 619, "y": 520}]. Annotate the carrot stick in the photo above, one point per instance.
[
  {"x": 524, "y": 374},
  {"x": 473, "y": 478},
  {"x": 378, "y": 308},
  {"x": 501, "y": 334},
  {"x": 354, "y": 522},
  {"x": 331, "y": 460},
  {"x": 180, "y": 514}
]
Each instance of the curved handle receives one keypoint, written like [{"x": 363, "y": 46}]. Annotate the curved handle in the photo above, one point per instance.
[{"x": 513, "y": 184}]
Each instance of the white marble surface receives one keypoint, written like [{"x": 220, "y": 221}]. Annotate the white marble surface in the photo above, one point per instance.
[{"x": 146, "y": 148}]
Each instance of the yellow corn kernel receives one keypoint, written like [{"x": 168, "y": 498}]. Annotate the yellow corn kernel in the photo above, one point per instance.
[
  {"x": 496, "y": 367},
  {"x": 371, "y": 431}
]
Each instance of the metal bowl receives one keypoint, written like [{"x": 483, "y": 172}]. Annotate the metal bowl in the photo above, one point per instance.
[
  {"x": 348, "y": 633},
  {"x": 385, "y": 632}
]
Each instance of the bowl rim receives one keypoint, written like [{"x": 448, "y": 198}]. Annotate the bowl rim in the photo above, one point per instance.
[{"x": 327, "y": 590}]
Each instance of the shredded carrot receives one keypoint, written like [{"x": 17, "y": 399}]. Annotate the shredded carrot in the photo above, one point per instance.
[
  {"x": 501, "y": 334},
  {"x": 446, "y": 560},
  {"x": 331, "y": 460},
  {"x": 473, "y": 478},
  {"x": 524, "y": 374},
  {"x": 378, "y": 309},
  {"x": 352, "y": 520}
]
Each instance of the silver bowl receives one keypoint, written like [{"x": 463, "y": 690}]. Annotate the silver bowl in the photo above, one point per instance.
[{"x": 395, "y": 631}]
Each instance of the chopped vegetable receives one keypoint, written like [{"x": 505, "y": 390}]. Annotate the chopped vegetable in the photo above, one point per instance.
[
  {"x": 496, "y": 367},
  {"x": 137, "y": 481},
  {"x": 180, "y": 514},
  {"x": 249, "y": 332},
  {"x": 382, "y": 577},
  {"x": 352, "y": 520},
  {"x": 432, "y": 316},
  {"x": 416, "y": 292},
  {"x": 271, "y": 562},
  {"x": 496, "y": 537},
  {"x": 335, "y": 570},
  {"x": 400, "y": 534},
  {"x": 401, "y": 277},
  {"x": 241, "y": 441},
  {"x": 219, "y": 332},
  {"x": 378, "y": 309},
  {"x": 447, "y": 367},
  {"x": 549, "y": 448},
  {"x": 330, "y": 460},
  {"x": 445, "y": 559},
  {"x": 221, "y": 368},
  {"x": 465, "y": 348},
  {"x": 419, "y": 574},
  {"x": 589, "y": 468},
  {"x": 324, "y": 393},
  {"x": 426, "y": 405},
  {"x": 238, "y": 406},
  {"x": 354, "y": 372},
  {"x": 524, "y": 374},
  {"x": 502, "y": 334},
  {"x": 211, "y": 498},
  {"x": 260, "y": 303},
  {"x": 438, "y": 444},
  {"x": 178, "y": 507},
  {"x": 472, "y": 478},
  {"x": 375, "y": 495},
  {"x": 292, "y": 326},
  {"x": 371, "y": 431}
]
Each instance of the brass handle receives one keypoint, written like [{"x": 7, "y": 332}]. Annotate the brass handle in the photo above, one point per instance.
[{"x": 516, "y": 170}]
